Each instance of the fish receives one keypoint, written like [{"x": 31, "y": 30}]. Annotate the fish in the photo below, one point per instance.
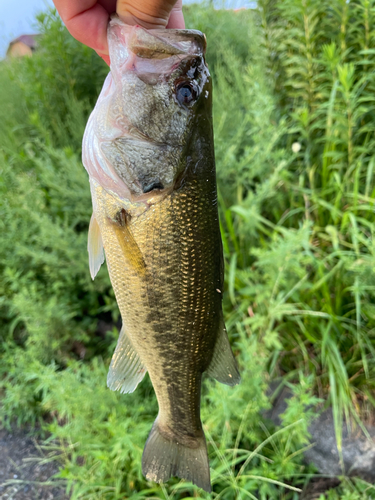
[{"x": 149, "y": 151}]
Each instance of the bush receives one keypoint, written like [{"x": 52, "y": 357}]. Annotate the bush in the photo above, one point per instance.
[{"x": 299, "y": 222}]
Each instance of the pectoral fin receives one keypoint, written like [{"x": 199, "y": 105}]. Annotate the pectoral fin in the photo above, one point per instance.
[
  {"x": 126, "y": 369},
  {"x": 223, "y": 366},
  {"x": 95, "y": 247},
  {"x": 129, "y": 246}
]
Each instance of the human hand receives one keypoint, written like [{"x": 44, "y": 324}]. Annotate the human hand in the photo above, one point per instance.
[{"x": 87, "y": 20}]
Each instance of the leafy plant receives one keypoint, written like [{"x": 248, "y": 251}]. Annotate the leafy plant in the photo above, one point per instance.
[{"x": 299, "y": 237}]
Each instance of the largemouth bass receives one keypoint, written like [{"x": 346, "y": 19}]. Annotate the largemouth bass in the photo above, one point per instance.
[{"x": 148, "y": 149}]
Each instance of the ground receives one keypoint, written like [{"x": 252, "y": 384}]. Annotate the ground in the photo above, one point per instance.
[{"x": 21, "y": 462}]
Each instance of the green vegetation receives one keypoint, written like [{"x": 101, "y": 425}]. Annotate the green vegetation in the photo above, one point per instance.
[{"x": 294, "y": 110}]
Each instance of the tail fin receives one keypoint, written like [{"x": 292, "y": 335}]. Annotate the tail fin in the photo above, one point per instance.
[{"x": 163, "y": 458}]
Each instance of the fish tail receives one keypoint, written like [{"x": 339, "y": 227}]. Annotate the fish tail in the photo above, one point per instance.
[{"x": 163, "y": 458}]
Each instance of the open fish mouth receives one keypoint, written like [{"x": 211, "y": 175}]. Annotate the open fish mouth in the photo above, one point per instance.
[
  {"x": 155, "y": 43},
  {"x": 153, "y": 55}
]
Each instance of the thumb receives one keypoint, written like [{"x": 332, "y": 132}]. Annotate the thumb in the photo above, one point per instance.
[{"x": 150, "y": 14}]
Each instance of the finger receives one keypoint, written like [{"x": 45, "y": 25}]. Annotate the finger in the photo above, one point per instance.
[
  {"x": 148, "y": 13},
  {"x": 87, "y": 21},
  {"x": 176, "y": 18},
  {"x": 109, "y": 5},
  {"x": 105, "y": 58}
]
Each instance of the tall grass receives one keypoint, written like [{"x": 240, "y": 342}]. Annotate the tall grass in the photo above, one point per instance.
[{"x": 298, "y": 223}]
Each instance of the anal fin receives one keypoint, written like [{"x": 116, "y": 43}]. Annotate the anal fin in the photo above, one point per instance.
[
  {"x": 95, "y": 247},
  {"x": 126, "y": 369},
  {"x": 223, "y": 366}
]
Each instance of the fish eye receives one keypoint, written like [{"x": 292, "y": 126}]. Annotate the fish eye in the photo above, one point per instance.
[{"x": 186, "y": 92}]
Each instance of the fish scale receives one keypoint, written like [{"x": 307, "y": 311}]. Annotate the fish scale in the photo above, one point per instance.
[{"x": 155, "y": 217}]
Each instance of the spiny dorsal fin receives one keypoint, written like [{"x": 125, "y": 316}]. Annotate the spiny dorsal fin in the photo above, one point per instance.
[
  {"x": 126, "y": 369},
  {"x": 223, "y": 366},
  {"x": 95, "y": 247}
]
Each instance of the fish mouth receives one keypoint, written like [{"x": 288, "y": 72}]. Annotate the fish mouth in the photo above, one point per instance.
[
  {"x": 152, "y": 54},
  {"x": 156, "y": 43}
]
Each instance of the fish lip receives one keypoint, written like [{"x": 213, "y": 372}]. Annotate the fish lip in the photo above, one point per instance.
[{"x": 168, "y": 42}]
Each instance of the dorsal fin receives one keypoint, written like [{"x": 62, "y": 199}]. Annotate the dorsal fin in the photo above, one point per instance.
[{"x": 95, "y": 247}]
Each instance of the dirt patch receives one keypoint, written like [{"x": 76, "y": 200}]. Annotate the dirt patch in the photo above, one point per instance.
[
  {"x": 318, "y": 486},
  {"x": 22, "y": 471}
]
